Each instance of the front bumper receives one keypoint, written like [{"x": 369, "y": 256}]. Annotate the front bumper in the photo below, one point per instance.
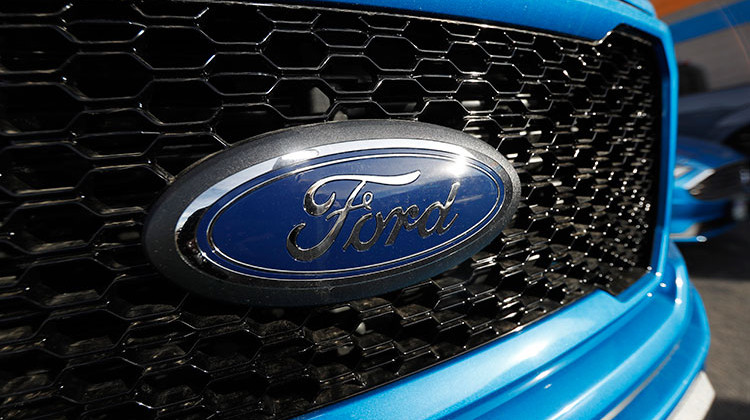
[{"x": 635, "y": 359}]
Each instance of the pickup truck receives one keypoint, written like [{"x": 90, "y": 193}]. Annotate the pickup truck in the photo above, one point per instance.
[{"x": 352, "y": 209}]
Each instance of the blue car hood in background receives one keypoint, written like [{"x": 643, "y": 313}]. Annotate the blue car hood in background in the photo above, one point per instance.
[{"x": 700, "y": 154}]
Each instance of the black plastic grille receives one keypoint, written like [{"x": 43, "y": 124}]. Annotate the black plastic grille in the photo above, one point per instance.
[
  {"x": 103, "y": 103},
  {"x": 726, "y": 181}
]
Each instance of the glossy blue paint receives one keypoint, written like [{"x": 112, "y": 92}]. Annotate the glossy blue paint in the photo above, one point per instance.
[
  {"x": 571, "y": 365},
  {"x": 688, "y": 211},
  {"x": 584, "y": 360},
  {"x": 445, "y": 198}
]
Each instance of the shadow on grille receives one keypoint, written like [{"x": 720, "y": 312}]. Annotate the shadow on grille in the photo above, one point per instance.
[{"x": 103, "y": 104}]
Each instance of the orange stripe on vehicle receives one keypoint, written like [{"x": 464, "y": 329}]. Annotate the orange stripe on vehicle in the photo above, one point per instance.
[{"x": 665, "y": 7}]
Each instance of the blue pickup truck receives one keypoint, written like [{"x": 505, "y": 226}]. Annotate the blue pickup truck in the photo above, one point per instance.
[{"x": 352, "y": 209}]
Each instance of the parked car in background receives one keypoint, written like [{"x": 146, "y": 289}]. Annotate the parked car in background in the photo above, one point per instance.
[
  {"x": 720, "y": 116},
  {"x": 710, "y": 191}
]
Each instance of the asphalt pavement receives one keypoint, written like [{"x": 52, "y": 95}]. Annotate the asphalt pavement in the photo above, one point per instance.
[{"x": 720, "y": 270}]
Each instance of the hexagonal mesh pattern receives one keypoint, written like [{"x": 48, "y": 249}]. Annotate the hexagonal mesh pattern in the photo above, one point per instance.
[{"x": 103, "y": 103}]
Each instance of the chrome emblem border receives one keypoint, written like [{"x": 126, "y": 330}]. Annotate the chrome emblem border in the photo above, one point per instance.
[{"x": 179, "y": 231}]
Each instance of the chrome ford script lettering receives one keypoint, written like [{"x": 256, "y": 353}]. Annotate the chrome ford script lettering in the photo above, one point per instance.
[
  {"x": 406, "y": 219},
  {"x": 331, "y": 212}
]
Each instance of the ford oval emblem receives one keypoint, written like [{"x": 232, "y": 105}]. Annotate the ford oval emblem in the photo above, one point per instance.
[{"x": 330, "y": 212}]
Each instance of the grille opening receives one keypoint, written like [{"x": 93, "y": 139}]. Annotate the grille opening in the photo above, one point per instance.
[
  {"x": 342, "y": 38},
  {"x": 87, "y": 155},
  {"x": 105, "y": 187},
  {"x": 116, "y": 11},
  {"x": 529, "y": 63},
  {"x": 423, "y": 33},
  {"x": 114, "y": 144},
  {"x": 182, "y": 101},
  {"x": 357, "y": 110},
  {"x": 242, "y": 83},
  {"x": 437, "y": 83},
  {"x": 298, "y": 387},
  {"x": 339, "y": 21},
  {"x": 160, "y": 352},
  {"x": 392, "y": 53},
  {"x": 164, "y": 47},
  {"x": 41, "y": 7},
  {"x": 237, "y": 391},
  {"x": 32, "y": 48},
  {"x": 385, "y": 22},
  {"x": 300, "y": 98},
  {"x": 172, "y": 387},
  {"x": 67, "y": 282},
  {"x": 95, "y": 31},
  {"x": 228, "y": 351},
  {"x": 241, "y": 63},
  {"x": 100, "y": 380},
  {"x": 136, "y": 298},
  {"x": 170, "y": 9},
  {"x": 37, "y": 229},
  {"x": 203, "y": 313},
  {"x": 9, "y": 273},
  {"x": 67, "y": 338},
  {"x": 445, "y": 113},
  {"x": 119, "y": 411},
  {"x": 476, "y": 96},
  {"x": 111, "y": 122},
  {"x": 496, "y": 42},
  {"x": 295, "y": 49},
  {"x": 398, "y": 96},
  {"x": 40, "y": 168},
  {"x": 234, "y": 23},
  {"x": 176, "y": 153},
  {"x": 350, "y": 74},
  {"x": 27, "y": 371},
  {"x": 242, "y": 73},
  {"x": 157, "y": 341},
  {"x": 300, "y": 15},
  {"x": 20, "y": 320},
  {"x": 107, "y": 76},
  {"x": 239, "y": 123},
  {"x": 440, "y": 69},
  {"x": 468, "y": 57},
  {"x": 36, "y": 107}
]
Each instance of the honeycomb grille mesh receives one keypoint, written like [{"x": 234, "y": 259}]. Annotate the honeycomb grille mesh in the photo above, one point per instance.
[{"x": 103, "y": 103}]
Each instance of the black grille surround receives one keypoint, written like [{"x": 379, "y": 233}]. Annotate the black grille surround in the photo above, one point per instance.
[{"x": 103, "y": 103}]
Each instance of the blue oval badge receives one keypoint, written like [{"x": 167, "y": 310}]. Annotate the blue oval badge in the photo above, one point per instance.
[{"x": 331, "y": 212}]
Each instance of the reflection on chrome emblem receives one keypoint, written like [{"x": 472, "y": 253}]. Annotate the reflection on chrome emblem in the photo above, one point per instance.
[
  {"x": 398, "y": 214},
  {"x": 331, "y": 212}
]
